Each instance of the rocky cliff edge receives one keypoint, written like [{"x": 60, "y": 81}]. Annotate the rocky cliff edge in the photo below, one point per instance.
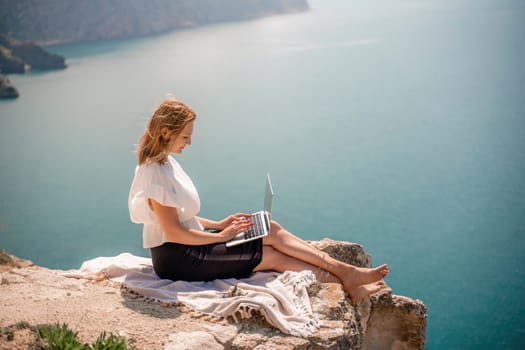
[{"x": 36, "y": 295}]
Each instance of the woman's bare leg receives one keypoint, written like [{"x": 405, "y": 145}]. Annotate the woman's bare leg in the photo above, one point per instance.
[
  {"x": 350, "y": 276},
  {"x": 277, "y": 261}
]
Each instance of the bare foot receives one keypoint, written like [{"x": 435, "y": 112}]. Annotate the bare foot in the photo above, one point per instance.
[
  {"x": 364, "y": 291},
  {"x": 361, "y": 275}
]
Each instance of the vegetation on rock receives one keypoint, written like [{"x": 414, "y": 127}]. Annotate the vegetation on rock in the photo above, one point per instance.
[{"x": 58, "y": 337}]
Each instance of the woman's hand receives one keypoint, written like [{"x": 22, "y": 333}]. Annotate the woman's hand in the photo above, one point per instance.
[
  {"x": 230, "y": 219},
  {"x": 238, "y": 224}
]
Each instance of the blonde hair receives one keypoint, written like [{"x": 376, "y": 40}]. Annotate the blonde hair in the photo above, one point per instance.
[{"x": 171, "y": 114}]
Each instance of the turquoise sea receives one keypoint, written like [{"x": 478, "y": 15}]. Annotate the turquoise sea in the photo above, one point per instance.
[{"x": 397, "y": 124}]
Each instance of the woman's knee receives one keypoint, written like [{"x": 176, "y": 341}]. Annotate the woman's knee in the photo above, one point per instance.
[
  {"x": 276, "y": 234},
  {"x": 275, "y": 226}
]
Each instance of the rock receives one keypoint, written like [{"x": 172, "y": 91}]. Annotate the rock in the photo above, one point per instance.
[
  {"x": 350, "y": 253},
  {"x": 10, "y": 64},
  {"x": 192, "y": 340},
  {"x": 340, "y": 328},
  {"x": 37, "y": 58},
  {"x": 395, "y": 322},
  {"x": 39, "y": 295},
  {"x": 6, "y": 89},
  {"x": 17, "y": 56},
  {"x": 223, "y": 333},
  {"x": 385, "y": 321}
]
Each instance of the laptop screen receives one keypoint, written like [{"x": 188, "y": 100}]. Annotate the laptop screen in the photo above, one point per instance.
[{"x": 268, "y": 195}]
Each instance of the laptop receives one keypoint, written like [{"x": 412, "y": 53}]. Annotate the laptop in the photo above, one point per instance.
[{"x": 260, "y": 220}]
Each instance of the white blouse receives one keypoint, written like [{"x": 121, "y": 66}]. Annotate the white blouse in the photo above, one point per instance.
[{"x": 169, "y": 185}]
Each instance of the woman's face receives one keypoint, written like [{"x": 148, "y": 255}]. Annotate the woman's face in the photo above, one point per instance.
[{"x": 183, "y": 140}]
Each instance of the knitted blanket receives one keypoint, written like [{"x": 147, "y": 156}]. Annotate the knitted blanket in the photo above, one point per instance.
[{"x": 281, "y": 298}]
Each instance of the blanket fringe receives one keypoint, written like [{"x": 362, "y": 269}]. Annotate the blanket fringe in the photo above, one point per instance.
[
  {"x": 300, "y": 282},
  {"x": 244, "y": 312}
]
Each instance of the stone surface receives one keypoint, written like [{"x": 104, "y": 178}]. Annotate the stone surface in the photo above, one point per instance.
[
  {"x": 17, "y": 57},
  {"x": 7, "y": 90},
  {"x": 38, "y": 295},
  {"x": 192, "y": 340},
  {"x": 10, "y": 64},
  {"x": 350, "y": 253},
  {"x": 395, "y": 322},
  {"x": 37, "y": 58}
]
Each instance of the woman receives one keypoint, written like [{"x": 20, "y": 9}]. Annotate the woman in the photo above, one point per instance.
[{"x": 164, "y": 199}]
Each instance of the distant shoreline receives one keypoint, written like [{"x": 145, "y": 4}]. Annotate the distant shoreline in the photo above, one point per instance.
[
  {"x": 57, "y": 42},
  {"x": 23, "y": 42},
  {"x": 77, "y": 22}
]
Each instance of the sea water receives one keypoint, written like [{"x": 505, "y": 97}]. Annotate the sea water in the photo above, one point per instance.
[{"x": 396, "y": 124}]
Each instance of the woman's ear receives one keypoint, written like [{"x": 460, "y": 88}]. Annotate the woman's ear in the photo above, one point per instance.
[{"x": 165, "y": 133}]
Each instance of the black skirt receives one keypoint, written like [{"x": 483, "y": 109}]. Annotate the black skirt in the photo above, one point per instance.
[{"x": 205, "y": 262}]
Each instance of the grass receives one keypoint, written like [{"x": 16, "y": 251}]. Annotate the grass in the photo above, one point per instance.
[
  {"x": 58, "y": 337},
  {"x": 61, "y": 337}
]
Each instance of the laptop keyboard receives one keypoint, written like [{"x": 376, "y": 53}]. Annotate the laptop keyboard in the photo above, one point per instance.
[{"x": 259, "y": 227}]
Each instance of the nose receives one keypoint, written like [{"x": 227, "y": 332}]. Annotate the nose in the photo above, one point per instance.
[{"x": 189, "y": 141}]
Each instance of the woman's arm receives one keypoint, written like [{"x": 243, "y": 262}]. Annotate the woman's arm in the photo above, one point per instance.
[
  {"x": 169, "y": 221},
  {"x": 221, "y": 225},
  {"x": 209, "y": 224}
]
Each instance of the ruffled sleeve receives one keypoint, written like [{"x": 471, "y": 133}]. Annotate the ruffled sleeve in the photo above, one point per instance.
[{"x": 149, "y": 182}]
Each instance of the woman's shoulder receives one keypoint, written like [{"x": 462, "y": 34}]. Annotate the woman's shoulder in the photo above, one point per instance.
[
  {"x": 154, "y": 170},
  {"x": 155, "y": 166},
  {"x": 150, "y": 170}
]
